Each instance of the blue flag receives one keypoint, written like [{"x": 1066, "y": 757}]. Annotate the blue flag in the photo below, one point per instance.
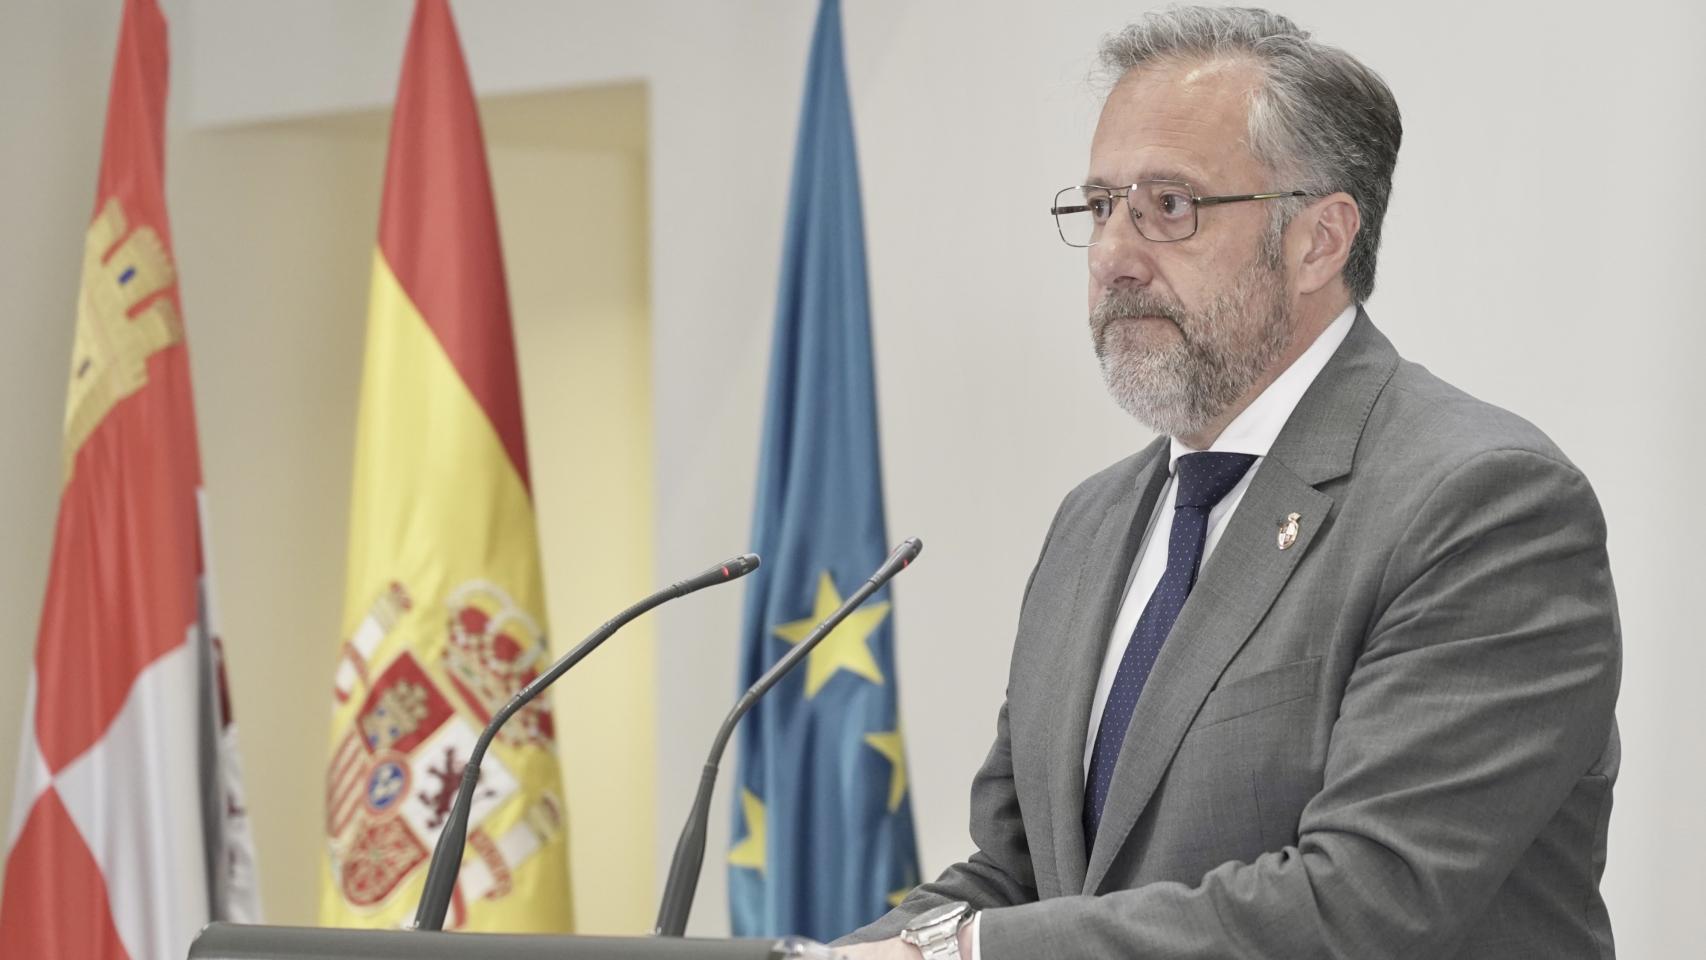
[{"x": 822, "y": 838}]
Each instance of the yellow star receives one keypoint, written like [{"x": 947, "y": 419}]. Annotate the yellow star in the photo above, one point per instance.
[
  {"x": 846, "y": 647},
  {"x": 896, "y": 897},
  {"x": 749, "y": 853},
  {"x": 889, "y": 745}
]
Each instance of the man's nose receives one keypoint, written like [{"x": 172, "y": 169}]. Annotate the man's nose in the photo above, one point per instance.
[{"x": 1122, "y": 257}]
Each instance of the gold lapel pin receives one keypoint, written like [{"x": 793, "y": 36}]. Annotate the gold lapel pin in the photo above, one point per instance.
[{"x": 1288, "y": 530}]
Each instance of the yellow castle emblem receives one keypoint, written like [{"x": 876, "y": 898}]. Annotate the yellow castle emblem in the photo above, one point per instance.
[{"x": 109, "y": 360}]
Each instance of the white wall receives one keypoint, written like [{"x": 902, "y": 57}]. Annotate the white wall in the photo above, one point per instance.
[{"x": 1569, "y": 300}]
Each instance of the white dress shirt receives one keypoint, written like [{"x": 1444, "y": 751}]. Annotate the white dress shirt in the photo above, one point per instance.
[{"x": 1253, "y": 431}]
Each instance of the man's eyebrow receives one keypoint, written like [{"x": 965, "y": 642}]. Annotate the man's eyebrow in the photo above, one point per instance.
[{"x": 1156, "y": 173}]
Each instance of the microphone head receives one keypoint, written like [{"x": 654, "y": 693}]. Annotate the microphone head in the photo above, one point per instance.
[
  {"x": 903, "y": 555},
  {"x": 731, "y": 569},
  {"x": 740, "y": 566}
]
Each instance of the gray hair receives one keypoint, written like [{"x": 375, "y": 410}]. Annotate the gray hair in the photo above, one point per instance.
[{"x": 1320, "y": 116}]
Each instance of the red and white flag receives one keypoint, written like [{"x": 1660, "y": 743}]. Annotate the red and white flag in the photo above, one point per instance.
[{"x": 127, "y": 831}]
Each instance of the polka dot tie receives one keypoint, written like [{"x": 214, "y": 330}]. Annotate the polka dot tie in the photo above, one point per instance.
[{"x": 1202, "y": 479}]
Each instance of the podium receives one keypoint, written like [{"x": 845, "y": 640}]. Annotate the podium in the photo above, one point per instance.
[{"x": 235, "y": 941}]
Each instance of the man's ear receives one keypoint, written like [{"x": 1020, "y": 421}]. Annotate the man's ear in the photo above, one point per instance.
[{"x": 1331, "y": 223}]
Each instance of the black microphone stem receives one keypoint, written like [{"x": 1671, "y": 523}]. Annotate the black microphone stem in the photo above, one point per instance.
[
  {"x": 689, "y": 856},
  {"x": 446, "y": 861}
]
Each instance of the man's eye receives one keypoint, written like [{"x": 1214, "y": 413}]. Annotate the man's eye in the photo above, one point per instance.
[
  {"x": 1100, "y": 207},
  {"x": 1173, "y": 204}
]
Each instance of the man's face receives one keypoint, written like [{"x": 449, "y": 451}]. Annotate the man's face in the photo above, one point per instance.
[{"x": 1184, "y": 329}]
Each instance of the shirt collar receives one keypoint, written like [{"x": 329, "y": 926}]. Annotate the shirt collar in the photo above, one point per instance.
[{"x": 1254, "y": 430}]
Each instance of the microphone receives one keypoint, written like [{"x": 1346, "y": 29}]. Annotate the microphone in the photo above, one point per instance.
[
  {"x": 690, "y": 849},
  {"x": 447, "y": 855}
]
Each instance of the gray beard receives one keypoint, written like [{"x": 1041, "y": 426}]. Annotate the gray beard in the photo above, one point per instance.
[{"x": 1179, "y": 389}]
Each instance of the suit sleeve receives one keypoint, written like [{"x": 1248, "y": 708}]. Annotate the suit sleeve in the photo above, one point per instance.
[{"x": 1483, "y": 692}]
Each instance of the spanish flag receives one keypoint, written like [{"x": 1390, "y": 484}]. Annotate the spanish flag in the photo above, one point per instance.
[{"x": 444, "y": 614}]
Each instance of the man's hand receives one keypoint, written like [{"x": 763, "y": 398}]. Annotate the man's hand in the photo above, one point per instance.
[
  {"x": 891, "y": 949},
  {"x": 897, "y": 949}
]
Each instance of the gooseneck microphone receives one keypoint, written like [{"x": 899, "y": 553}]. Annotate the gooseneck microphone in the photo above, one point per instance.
[
  {"x": 690, "y": 849},
  {"x": 447, "y": 855}
]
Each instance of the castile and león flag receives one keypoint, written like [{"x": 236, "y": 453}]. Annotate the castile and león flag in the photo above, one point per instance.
[{"x": 128, "y": 828}]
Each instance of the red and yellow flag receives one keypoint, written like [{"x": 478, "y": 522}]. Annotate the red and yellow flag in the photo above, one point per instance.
[
  {"x": 128, "y": 832},
  {"x": 444, "y": 614}
]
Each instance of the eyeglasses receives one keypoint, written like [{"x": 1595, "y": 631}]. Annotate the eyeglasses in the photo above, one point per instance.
[{"x": 1162, "y": 210}]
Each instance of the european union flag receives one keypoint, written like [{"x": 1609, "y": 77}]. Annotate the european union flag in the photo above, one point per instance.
[{"x": 822, "y": 832}]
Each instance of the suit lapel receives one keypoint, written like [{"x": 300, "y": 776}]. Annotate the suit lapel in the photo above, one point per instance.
[
  {"x": 1096, "y": 602},
  {"x": 1238, "y": 584}
]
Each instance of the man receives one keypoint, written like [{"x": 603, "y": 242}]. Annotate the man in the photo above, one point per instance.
[{"x": 1328, "y": 669}]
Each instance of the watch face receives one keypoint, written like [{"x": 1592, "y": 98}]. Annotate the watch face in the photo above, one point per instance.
[{"x": 947, "y": 911}]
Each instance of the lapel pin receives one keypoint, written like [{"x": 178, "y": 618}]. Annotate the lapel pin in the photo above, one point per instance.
[{"x": 1288, "y": 530}]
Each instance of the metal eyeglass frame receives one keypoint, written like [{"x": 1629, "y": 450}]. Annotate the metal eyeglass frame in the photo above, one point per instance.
[{"x": 1115, "y": 193}]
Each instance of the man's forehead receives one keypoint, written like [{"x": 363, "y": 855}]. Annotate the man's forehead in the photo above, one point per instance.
[
  {"x": 1219, "y": 84},
  {"x": 1178, "y": 119}
]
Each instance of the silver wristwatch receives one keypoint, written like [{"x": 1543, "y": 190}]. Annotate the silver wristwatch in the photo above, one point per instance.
[{"x": 936, "y": 933}]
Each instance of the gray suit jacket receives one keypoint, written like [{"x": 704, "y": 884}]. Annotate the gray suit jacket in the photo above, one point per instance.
[{"x": 1392, "y": 739}]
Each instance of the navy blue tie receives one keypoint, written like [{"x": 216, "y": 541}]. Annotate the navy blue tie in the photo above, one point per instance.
[{"x": 1203, "y": 479}]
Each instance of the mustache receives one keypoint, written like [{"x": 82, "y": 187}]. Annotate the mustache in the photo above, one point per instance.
[{"x": 1122, "y": 304}]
